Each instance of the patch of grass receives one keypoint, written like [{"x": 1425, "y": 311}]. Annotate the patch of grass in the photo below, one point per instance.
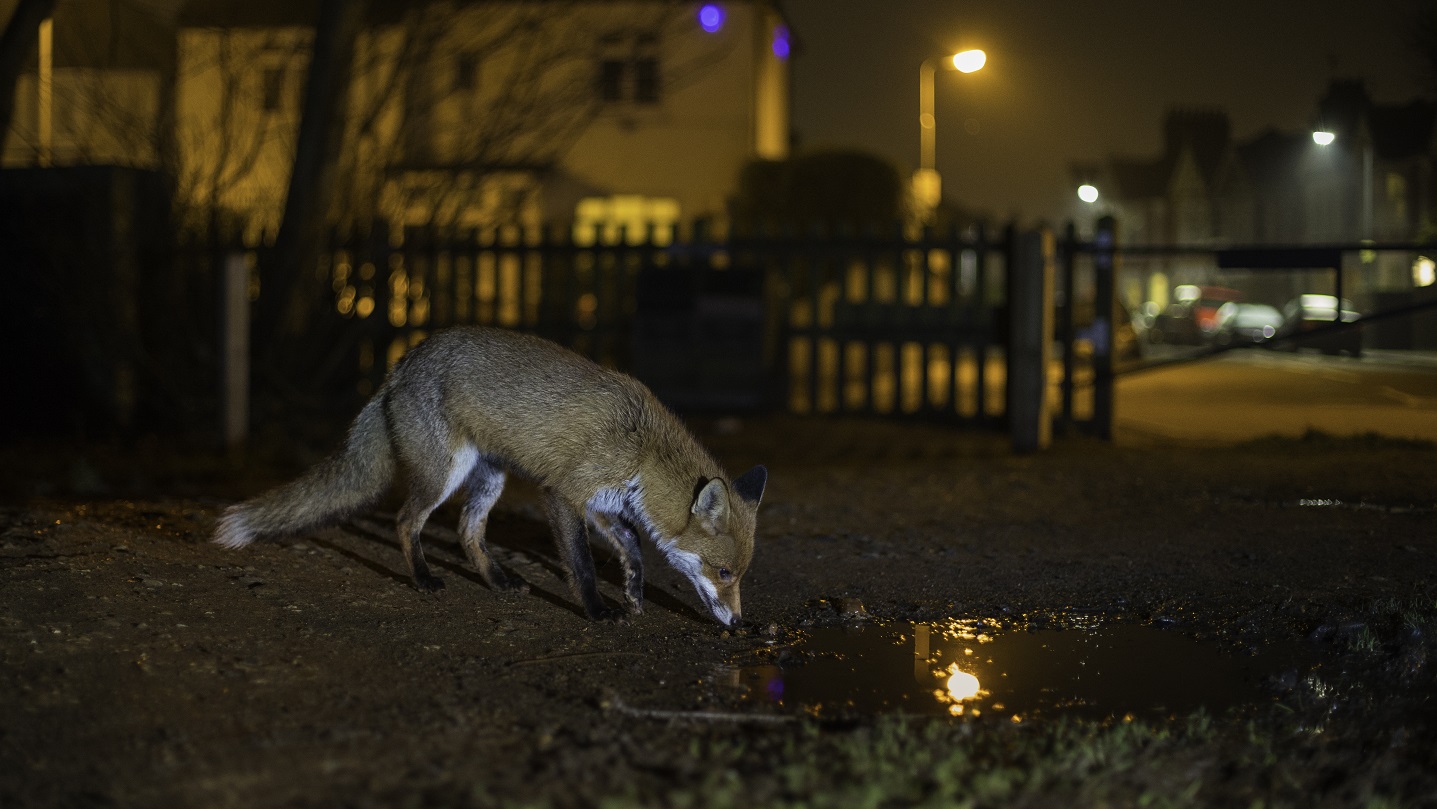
[{"x": 1198, "y": 761}]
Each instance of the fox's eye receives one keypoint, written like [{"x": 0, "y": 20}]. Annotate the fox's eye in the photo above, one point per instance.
[{"x": 725, "y": 574}]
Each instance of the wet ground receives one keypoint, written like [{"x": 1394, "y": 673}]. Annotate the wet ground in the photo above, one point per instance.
[{"x": 1181, "y": 626}]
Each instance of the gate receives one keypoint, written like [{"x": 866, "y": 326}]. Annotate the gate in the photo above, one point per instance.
[
  {"x": 885, "y": 324},
  {"x": 880, "y": 324}
]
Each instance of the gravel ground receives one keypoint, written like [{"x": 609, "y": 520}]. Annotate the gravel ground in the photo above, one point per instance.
[{"x": 145, "y": 666}]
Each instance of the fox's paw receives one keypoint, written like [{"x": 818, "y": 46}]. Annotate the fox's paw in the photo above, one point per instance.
[
  {"x": 428, "y": 583},
  {"x": 502, "y": 583},
  {"x": 510, "y": 586},
  {"x": 609, "y": 615}
]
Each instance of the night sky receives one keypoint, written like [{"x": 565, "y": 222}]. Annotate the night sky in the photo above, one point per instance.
[{"x": 1070, "y": 81}]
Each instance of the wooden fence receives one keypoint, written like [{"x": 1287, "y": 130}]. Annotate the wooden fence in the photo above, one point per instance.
[{"x": 897, "y": 324}]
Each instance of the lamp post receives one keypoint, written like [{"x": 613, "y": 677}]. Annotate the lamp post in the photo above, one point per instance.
[
  {"x": 927, "y": 185},
  {"x": 1326, "y": 137}
]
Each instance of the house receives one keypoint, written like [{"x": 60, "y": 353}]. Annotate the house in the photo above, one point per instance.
[
  {"x": 605, "y": 114},
  {"x": 636, "y": 114}
]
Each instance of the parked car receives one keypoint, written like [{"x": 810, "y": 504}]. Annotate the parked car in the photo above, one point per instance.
[
  {"x": 1307, "y": 312},
  {"x": 1247, "y": 324},
  {"x": 1209, "y": 302},
  {"x": 1175, "y": 326}
]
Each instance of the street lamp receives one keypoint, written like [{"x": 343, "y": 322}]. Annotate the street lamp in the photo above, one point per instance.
[
  {"x": 927, "y": 185},
  {"x": 1087, "y": 193},
  {"x": 1322, "y": 137}
]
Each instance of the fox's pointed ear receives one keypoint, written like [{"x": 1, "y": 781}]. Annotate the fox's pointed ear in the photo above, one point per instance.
[
  {"x": 711, "y": 503},
  {"x": 750, "y": 484}
]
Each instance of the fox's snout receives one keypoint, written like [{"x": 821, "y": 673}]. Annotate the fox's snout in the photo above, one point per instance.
[{"x": 730, "y": 602}]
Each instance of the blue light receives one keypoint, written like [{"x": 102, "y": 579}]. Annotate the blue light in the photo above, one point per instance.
[
  {"x": 780, "y": 42},
  {"x": 711, "y": 17}
]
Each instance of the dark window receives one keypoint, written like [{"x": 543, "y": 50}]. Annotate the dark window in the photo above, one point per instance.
[
  {"x": 611, "y": 80},
  {"x": 273, "y": 88},
  {"x": 646, "y": 74},
  {"x": 466, "y": 71}
]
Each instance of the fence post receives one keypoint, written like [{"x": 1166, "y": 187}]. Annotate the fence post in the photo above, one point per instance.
[
  {"x": 1069, "y": 252},
  {"x": 1105, "y": 239},
  {"x": 234, "y": 353},
  {"x": 1030, "y": 339}
]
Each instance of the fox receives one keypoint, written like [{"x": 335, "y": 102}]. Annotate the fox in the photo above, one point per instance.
[{"x": 467, "y": 407}]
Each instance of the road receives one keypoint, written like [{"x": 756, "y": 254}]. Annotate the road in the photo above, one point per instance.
[{"x": 1249, "y": 394}]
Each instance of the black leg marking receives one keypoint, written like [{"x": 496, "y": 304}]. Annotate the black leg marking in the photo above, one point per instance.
[
  {"x": 625, "y": 540},
  {"x": 572, "y": 539}
]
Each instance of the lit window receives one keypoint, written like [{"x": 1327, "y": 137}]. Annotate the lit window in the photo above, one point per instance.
[{"x": 638, "y": 218}]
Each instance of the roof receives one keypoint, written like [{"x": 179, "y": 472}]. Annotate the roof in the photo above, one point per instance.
[{"x": 1207, "y": 132}]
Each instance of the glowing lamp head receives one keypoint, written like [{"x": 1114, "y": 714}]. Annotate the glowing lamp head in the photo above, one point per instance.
[
  {"x": 1323, "y": 138},
  {"x": 1087, "y": 193},
  {"x": 711, "y": 17},
  {"x": 969, "y": 61}
]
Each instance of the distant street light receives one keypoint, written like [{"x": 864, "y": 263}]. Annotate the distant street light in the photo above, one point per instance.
[
  {"x": 927, "y": 185},
  {"x": 1087, "y": 193},
  {"x": 1322, "y": 137}
]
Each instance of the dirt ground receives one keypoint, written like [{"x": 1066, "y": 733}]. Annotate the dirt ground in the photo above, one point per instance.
[{"x": 145, "y": 666}]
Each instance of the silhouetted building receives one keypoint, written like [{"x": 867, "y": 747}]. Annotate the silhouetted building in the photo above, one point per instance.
[{"x": 1373, "y": 180}]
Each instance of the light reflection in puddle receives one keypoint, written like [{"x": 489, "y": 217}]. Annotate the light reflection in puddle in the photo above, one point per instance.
[{"x": 970, "y": 668}]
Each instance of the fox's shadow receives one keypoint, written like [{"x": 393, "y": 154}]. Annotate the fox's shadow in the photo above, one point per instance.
[{"x": 520, "y": 544}]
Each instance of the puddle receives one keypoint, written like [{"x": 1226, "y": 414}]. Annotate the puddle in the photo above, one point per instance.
[{"x": 971, "y": 668}]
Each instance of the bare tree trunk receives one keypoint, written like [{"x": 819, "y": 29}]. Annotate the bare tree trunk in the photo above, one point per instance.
[
  {"x": 312, "y": 181},
  {"x": 16, "y": 45}
]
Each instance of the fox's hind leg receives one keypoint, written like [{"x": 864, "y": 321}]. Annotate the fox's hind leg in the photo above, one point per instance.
[
  {"x": 485, "y": 483},
  {"x": 412, "y": 515},
  {"x": 625, "y": 540},
  {"x": 428, "y": 488}
]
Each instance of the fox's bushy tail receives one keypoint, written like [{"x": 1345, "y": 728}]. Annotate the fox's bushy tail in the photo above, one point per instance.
[{"x": 346, "y": 481}]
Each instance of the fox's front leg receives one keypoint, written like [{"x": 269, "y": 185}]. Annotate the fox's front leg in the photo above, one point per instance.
[
  {"x": 625, "y": 540},
  {"x": 573, "y": 542}
]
